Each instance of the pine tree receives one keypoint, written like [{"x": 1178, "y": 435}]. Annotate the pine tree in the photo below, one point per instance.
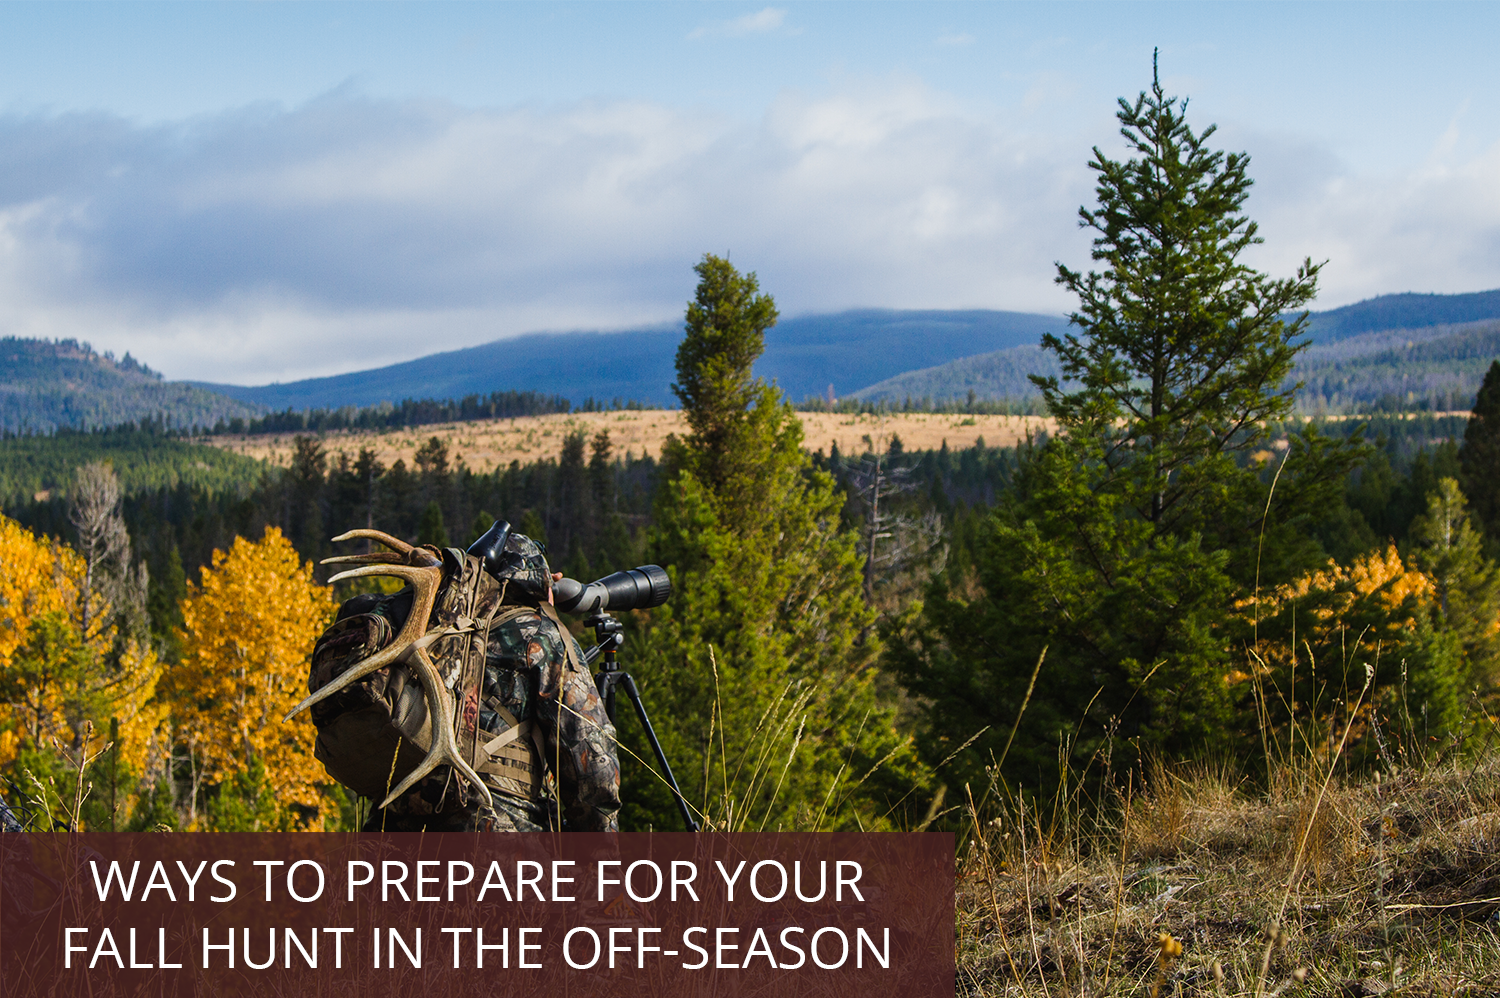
[
  {"x": 1451, "y": 553},
  {"x": 757, "y": 672},
  {"x": 431, "y": 529},
  {"x": 1479, "y": 457},
  {"x": 1132, "y": 533},
  {"x": 304, "y": 487}
]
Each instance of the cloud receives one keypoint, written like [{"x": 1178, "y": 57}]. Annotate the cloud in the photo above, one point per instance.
[
  {"x": 1433, "y": 228},
  {"x": 956, "y": 40},
  {"x": 273, "y": 243},
  {"x": 764, "y": 21}
]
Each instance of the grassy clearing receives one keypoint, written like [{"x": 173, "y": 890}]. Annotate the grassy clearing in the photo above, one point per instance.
[
  {"x": 488, "y": 444},
  {"x": 1198, "y": 887}
]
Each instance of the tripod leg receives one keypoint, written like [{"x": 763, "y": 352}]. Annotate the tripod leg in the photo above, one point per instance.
[
  {"x": 605, "y": 682},
  {"x": 661, "y": 757}
]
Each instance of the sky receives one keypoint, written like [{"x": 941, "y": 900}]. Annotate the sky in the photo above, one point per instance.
[{"x": 259, "y": 192}]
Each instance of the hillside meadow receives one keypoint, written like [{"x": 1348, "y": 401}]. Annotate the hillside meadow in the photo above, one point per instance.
[{"x": 490, "y": 444}]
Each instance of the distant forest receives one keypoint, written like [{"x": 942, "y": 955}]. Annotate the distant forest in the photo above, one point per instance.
[
  {"x": 593, "y": 507},
  {"x": 1428, "y": 369},
  {"x": 146, "y": 456},
  {"x": 411, "y": 412}
]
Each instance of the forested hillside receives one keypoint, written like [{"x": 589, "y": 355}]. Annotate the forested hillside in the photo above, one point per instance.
[
  {"x": 1003, "y": 374},
  {"x": 1403, "y": 311},
  {"x": 1436, "y": 368},
  {"x": 45, "y": 385},
  {"x": 1433, "y": 368},
  {"x": 145, "y": 458}
]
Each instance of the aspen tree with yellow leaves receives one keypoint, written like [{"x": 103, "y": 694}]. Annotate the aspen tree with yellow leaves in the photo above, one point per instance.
[
  {"x": 30, "y": 590},
  {"x": 1317, "y": 634},
  {"x": 66, "y": 672},
  {"x": 250, "y": 625}
]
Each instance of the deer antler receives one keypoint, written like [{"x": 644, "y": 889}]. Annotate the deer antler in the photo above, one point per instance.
[
  {"x": 394, "y": 543},
  {"x": 407, "y": 646}
]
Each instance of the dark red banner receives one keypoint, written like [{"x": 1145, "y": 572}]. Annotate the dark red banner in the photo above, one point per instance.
[{"x": 581, "y": 916}]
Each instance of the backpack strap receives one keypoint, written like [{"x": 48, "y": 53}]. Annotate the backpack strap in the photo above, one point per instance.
[
  {"x": 511, "y": 759},
  {"x": 569, "y": 645}
]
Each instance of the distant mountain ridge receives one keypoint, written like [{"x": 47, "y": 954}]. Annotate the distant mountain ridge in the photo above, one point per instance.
[
  {"x": 1429, "y": 365},
  {"x": 998, "y": 375},
  {"x": 46, "y": 385},
  {"x": 1403, "y": 311},
  {"x": 804, "y": 356},
  {"x": 1426, "y": 349}
]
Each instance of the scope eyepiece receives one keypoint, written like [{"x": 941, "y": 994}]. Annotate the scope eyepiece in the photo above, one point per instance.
[
  {"x": 633, "y": 589},
  {"x": 490, "y": 547}
]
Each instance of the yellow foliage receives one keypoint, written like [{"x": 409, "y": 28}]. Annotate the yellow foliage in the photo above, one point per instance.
[
  {"x": 249, "y": 630},
  {"x": 43, "y": 578},
  {"x": 1380, "y": 574},
  {"x": 1372, "y": 601},
  {"x": 30, "y": 588},
  {"x": 31, "y": 584}
]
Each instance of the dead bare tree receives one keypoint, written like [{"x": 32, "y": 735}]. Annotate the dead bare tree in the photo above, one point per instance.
[
  {"x": 110, "y": 584},
  {"x": 895, "y": 542}
]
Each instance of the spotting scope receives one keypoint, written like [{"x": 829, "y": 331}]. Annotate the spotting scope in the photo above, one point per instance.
[{"x": 633, "y": 589}]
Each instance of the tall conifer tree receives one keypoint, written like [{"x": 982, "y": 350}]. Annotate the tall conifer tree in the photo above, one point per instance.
[
  {"x": 1479, "y": 457},
  {"x": 1133, "y": 534},
  {"x": 759, "y": 672}
]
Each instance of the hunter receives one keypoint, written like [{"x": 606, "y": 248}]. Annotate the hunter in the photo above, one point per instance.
[{"x": 527, "y": 717}]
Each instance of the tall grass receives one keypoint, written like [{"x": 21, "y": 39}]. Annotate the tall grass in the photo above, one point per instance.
[{"x": 1298, "y": 873}]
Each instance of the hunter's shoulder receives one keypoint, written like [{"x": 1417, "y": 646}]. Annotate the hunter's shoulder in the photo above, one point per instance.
[{"x": 525, "y": 632}]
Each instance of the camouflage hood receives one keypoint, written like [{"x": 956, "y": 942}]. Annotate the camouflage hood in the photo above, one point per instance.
[{"x": 524, "y": 565}]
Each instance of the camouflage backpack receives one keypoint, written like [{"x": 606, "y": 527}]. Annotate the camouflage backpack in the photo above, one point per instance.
[{"x": 376, "y": 731}]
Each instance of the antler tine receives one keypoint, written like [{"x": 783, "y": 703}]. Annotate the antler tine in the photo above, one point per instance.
[
  {"x": 426, "y": 582},
  {"x": 378, "y": 558},
  {"x": 444, "y": 746},
  {"x": 395, "y": 544}
]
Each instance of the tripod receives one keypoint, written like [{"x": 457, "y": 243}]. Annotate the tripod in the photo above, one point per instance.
[{"x": 609, "y": 634}]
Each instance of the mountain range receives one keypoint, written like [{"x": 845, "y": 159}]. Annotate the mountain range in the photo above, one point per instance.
[
  {"x": 1403, "y": 350},
  {"x": 804, "y": 356},
  {"x": 1435, "y": 358},
  {"x": 1434, "y": 368}
]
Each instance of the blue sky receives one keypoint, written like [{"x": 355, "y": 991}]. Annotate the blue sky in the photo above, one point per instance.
[{"x": 255, "y": 192}]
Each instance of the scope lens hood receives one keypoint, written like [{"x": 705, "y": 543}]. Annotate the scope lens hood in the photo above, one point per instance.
[
  {"x": 633, "y": 589},
  {"x": 638, "y": 588}
]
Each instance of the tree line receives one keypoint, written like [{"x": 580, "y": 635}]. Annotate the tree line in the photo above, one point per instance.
[{"x": 410, "y": 412}]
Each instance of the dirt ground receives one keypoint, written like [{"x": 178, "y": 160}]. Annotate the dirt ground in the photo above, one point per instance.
[{"x": 483, "y": 446}]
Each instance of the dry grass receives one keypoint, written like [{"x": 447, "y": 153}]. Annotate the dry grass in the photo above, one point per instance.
[
  {"x": 1374, "y": 888},
  {"x": 488, "y": 444}
]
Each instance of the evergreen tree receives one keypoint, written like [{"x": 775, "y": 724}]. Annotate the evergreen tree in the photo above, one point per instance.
[
  {"x": 1479, "y": 457},
  {"x": 725, "y": 406},
  {"x": 431, "y": 529},
  {"x": 1131, "y": 534},
  {"x": 1450, "y": 552},
  {"x": 756, "y": 672},
  {"x": 304, "y": 487}
]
